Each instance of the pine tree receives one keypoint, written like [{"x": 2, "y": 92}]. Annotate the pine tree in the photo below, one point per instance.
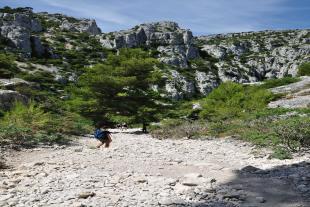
[{"x": 120, "y": 90}]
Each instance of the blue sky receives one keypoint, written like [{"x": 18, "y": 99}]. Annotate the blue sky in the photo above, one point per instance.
[{"x": 201, "y": 16}]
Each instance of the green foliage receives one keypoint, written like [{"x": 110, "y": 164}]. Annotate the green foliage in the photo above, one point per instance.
[
  {"x": 294, "y": 132},
  {"x": 241, "y": 111},
  {"x": 304, "y": 69},
  {"x": 119, "y": 89},
  {"x": 272, "y": 83},
  {"x": 47, "y": 23},
  {"x": 10, "y": 10},
  {"x": 30, "y": 124},
  {"x": 7, "y": 66},
  {"x": 23, "y": 123},
  {"x": 281, "y": 153},
  {"x": 231, "y": 100}
]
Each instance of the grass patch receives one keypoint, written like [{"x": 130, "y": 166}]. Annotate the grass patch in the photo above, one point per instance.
[{"x": 304, "y": 69}]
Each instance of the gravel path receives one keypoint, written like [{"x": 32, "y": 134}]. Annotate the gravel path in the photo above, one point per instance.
[{"x": 138, "y": 170}]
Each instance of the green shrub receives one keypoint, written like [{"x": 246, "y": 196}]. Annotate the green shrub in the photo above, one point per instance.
[
  {"x": 233, "y": 100},
  {"x": 74, "y": 124},
  {"x": 281, "y": 153},
  {"x": 31, "y": 124},
  {"x": 21, "y": 124},
  {"x": 294, "y": 132},
  {"x": 304, "y": 69},
  {"x": 7, "y": 66}
]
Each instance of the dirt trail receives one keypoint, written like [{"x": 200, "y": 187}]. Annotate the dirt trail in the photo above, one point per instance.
[{"x": 141, "y": 171}]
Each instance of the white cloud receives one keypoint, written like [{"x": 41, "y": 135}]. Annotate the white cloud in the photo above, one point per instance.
[{"x": 93, "y": 9}]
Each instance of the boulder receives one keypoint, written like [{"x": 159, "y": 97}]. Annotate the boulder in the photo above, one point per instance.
[
  {"x": 8, "y": 99},
  {"x": 11, "y": 84}
]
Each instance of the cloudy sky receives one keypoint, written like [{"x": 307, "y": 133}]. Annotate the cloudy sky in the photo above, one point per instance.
[{"x": 201, "y": 16}]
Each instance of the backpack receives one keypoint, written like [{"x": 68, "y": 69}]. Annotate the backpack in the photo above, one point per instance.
[{"x": 98, "y": 134}]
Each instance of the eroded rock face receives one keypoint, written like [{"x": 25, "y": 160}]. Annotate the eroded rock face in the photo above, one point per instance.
[
  {"x": 254, "y": 56},
  {"x": 173, "y": 43},
  {"x": 178, "y": 87},
  {"x": 84, "y": 25},
  {"x": 205, "y": 82},
  {"x": 17, "y": 28},
  {"x": 8, "y": 99},
  {"x": 38, "y": 49}
]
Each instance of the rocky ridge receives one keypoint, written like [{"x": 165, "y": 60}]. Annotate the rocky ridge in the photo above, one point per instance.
[
  {"x": 194, "y": 66},
  {"x": 174, "y": 45},
  {"x": 240, "y": 57},
  {"x": 254, "y": 56}
]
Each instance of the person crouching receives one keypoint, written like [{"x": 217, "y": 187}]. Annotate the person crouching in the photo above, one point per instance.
[{"x": 102, "y": 135}]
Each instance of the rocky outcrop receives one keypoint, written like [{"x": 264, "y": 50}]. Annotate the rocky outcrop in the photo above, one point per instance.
[
  {"x": 205, "y": 82},
  {"x": 23, "y": 29},
  {"x": 173, "y": 43},
  {"x": 11, "y": 84},
  {"x": 17, "y": 29},
  {"x": 254, "y": 56},
  {"x": 297, "y": 95},
  {"x": 83, "y": 25},
  {"x": 8, "y": 98},
  {"x": 178, "y": 87}
]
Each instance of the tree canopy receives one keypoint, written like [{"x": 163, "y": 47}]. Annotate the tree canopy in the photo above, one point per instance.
[{"x": 121, "y": 89}]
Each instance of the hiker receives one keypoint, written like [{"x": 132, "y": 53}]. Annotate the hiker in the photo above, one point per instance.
[
  {"x": 144, "y": 130},
  {"x": 102, "y": 135},
  {"x": 124, "y": 126}
]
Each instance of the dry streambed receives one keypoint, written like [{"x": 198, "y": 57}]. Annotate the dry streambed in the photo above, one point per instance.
[{"x": 141, "y": 171}]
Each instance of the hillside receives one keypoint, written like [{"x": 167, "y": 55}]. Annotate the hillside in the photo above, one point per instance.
[
  {"x": 225, "y": 118},
  {"x": 193, "y": 66}
]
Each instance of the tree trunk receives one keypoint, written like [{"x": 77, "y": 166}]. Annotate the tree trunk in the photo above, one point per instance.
[{"x": 144, "y": 130}]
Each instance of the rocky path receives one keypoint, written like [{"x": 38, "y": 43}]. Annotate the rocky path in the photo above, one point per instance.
[{"x": 141, "y": 171}]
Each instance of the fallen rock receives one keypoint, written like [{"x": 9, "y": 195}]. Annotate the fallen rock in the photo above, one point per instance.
[
  {"x": 260, "y": 199},
  {"x": 85, "y": 195}
]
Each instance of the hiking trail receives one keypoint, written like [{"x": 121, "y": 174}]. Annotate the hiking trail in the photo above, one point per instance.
[{"x": 138, "y": 170}]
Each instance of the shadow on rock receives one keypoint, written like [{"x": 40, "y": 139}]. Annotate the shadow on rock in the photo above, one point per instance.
[{"x": 282, "y": 186}]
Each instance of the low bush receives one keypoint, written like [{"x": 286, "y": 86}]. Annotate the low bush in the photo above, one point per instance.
[
  {"x": 7, "y": 66},
  {"x": 294, "y": 132},
  {"x": 177, "y": 129},
  {"x": 22, "y": 124},
  {"x": 304, "y": 69},
  {"x": 232, "y": 100},
  {"x": 30, "y": 124},
  {"x": 281, "y": 153}
]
